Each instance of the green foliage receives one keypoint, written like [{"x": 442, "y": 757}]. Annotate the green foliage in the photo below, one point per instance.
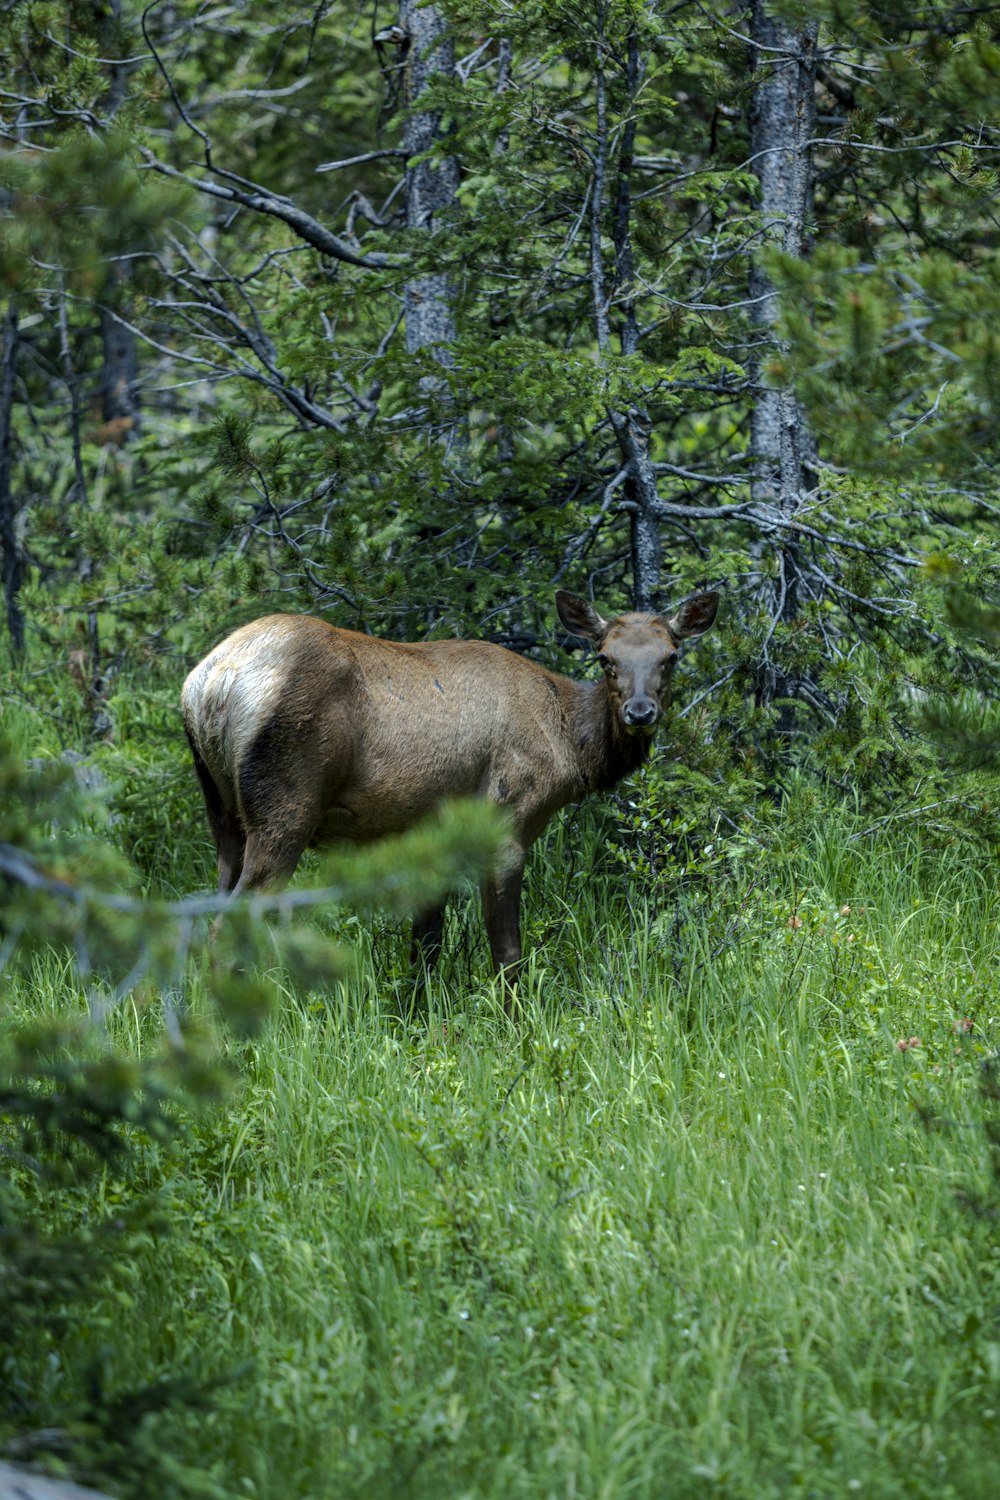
[
  {"x": 296, "y": 453},
  {"x": 898, "y": 361},
  {"x": 444, "y": 1257},
  {"x": 75, "y": 1107},
  {"x": 687, "y": 1221},
  {"x": 99, "y": 1097},
  {"x": 77, "y": 206}
]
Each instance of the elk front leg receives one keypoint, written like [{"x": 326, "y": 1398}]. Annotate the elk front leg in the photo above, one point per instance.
[{"x": 502, "y": 911}]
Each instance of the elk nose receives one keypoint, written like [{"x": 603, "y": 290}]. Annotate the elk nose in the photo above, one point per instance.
[{"x": 640, "y": 713}]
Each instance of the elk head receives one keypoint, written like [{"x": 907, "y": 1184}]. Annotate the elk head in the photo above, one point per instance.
[{"x": 637, "y": 653}]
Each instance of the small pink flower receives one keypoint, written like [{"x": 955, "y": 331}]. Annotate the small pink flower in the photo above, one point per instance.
[
  {"x": 902, "y": 1046},
  {"x": 963, "y": 1024},
  {"x": 794, "y": 922},
  {"x": 845, "y": 911}
]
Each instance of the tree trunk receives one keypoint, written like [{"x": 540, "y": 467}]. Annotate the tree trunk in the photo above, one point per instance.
[
  {"x": 431, "y": 186},
  {"x": 10, "y": 550},
  {"x": 501, "y": 317},
  {"x": 634, "y": 433},
  {"x": 782, "y": 122},
  {"x": 120, "y": 368},
  {"x": 632, "y": 427}
]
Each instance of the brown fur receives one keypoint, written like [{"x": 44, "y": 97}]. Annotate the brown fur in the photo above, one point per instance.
[{"x": 305, "y": 734}]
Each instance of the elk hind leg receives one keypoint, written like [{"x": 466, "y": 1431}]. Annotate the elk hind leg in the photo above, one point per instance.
[
  {"x": 426, "y": 941},
  {"x": 227, "y": 830},
  {"x": 277, "y": 821},
  {"x": 280, "y": 810},
  {"x": 231, "y": 844},
  {"x": 502, "y": 910},
  {"x": 269, "y": 859}
]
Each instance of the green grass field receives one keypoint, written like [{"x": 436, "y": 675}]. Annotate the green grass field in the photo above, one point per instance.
[{"x": 698, "y": 1227}]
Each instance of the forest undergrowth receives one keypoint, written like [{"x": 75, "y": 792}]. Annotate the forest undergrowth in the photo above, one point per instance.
[
  {"x": 717, "y": 1218},
  {"x": 408, "y": 317}
]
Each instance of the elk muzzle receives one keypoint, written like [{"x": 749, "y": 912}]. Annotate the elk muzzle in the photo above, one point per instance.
[{"x": 640, "y": 714}]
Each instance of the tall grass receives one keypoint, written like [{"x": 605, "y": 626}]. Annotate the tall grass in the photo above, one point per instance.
[{"x": 694, "y": 1228}]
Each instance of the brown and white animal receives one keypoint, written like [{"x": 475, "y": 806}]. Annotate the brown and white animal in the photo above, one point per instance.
[{"x": 304, "y": 734}]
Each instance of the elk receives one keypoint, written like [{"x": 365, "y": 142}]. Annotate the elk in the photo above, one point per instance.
[{"x": 304, "y": 734}]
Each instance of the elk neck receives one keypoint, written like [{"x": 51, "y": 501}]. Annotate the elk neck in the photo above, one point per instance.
[{"x": 604, "y": 751}]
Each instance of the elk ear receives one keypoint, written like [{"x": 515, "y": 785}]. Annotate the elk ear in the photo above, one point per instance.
[
  {"x": 694, "y": 617},
  {"x": 580, "y": 618}
]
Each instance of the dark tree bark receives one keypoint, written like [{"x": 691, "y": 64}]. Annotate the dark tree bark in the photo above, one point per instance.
[
  {"x": 632, "y": 427},
  {"x": 501, "y": 317},
  {"x": 633, "y": 434},
  {"x": 782, "y": 124},
  {"x": 431, "y": 186},
  {"x": 10, "y": 549},
  {"x": 120, "y": 367}
]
